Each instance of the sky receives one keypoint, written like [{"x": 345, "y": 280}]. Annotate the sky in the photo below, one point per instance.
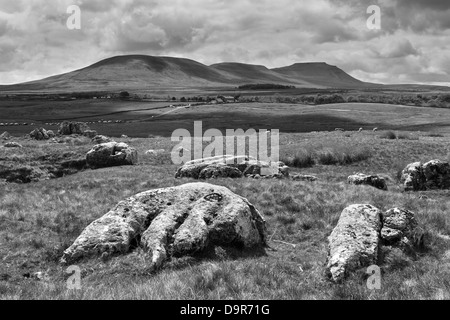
[{"x": 411, "y": 46}]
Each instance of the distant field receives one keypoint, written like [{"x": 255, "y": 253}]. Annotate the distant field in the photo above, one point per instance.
[{"x": 156, "y": 118}]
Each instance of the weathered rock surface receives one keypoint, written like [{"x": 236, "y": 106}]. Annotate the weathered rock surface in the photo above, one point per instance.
[
  {"x": 12, "y": 145},
  {"x": 434, "y": 174},
  {"x": 111, "y": 154},
  {"x": 5, "y": 135},
  {"x": 99, "y": 139},
  {"x": 154, "y": 152},
  {"x": 399, "y": 228},
  {"x": 301, "y": 177},
  {"x": 364, "y": 235},
  {"x": 41, "y": 134},
  {"x": 67, "y": 128},
  {"x": 225, "y": 166},
  {"x": 90, "y": 133},
  {"x": 370, "y": 180},
  {"x": 219, "y": 170},
  {"x": 354, "y": 241},
  {"x": 174, "y": 221}
]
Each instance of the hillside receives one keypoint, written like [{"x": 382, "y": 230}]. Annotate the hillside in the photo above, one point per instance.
[
  {"x": 142, "y": 72},
  {"x": 321, "y": 73}
]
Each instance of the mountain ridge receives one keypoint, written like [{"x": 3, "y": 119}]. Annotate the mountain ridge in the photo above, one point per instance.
[{"x": 144, "y": 71}]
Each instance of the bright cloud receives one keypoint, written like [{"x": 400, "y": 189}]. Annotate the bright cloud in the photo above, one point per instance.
[{"x": 412, "y": 45}]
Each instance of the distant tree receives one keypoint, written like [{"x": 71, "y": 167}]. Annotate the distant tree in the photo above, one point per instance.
[
  {"x": 174, "y": 99},
  {"x": 183, "y": 99}
]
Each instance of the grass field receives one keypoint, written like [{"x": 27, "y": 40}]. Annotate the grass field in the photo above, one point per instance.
[
  {"x": 145, "y": 118},
  {"x": 39, "y": 220}
]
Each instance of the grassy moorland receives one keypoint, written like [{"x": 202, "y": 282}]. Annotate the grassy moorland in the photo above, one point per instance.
[
  {"x": 141, "y": 119},
  {"x": 39, "y": 220}
]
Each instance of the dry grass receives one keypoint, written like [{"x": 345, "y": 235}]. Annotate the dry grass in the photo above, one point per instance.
[{"x": 39, "y": 220}]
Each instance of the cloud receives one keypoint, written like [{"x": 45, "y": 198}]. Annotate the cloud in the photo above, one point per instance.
[{"x": 413, "y": 43}]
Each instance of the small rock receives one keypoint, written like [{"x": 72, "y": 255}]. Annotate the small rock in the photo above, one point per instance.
[
  {"x": 300, "y": 177},
  {"x": 111, "y": 154},
  {"x": 67, "y": 128},
  {"x": 370, "y": 180},
  {"x": 90, "y": 134},
  {"x": 99, "y": 139},
  {"x": 5, "y": 135},
  {"x": 12, "y": 145},
  {"x": 39, "y": 134}
]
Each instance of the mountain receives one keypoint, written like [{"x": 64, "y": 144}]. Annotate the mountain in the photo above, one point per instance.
[
  {"x": 320, "y": 73},
  {"x": 142, "y": 72}
]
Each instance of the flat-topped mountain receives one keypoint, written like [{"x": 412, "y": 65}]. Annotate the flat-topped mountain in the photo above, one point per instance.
[{"x": 147, "y": 72}]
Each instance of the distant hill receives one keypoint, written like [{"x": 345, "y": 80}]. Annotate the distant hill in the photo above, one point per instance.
[
  {"x": 149, "y": 72},
  {"x": 321, "y": 73}
]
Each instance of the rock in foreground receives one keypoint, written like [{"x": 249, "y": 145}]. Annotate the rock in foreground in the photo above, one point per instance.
[
  {"x": 354, "y": 241},
  {"x": 361, "y": 233},
  {"x": 111, "y": 154},
  {"x": 173, "y": 221}
]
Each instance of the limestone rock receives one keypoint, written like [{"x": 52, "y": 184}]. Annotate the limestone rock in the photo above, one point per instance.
[
  {"x": 12, "y": 145},
  {"x": 300, "y": 177},
  {"x": 99, "y": 139},
  {"x": 437, "y": 175},
  {"x": 67, "y": 128},
  {"x": 154, "y": 152},
  {"x": 39, "y": 134},
  {"x": 5, "y": 135},
  {"x": 399, "y": 228},
  {"x": 434, "y": 174},
  {"x": 248, "y": 166},
  {"x": 90, "y": 133},
  {"x": 370, "y": 180},
  {"x": 412, "y": 177},
  {"x": 173, "y": 221},
  {"x": 354, "y": 241},
  {"x": 219, "y": 170},
  {"x": 111, "y": 154}
]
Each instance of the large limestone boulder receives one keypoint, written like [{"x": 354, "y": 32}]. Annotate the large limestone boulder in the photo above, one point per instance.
[
  {"x": 227, "y": 166},
  {"x": 170, "y": 222},
  {"x": 354, "y": 241},
  {"x": 370, "y": 180},
  {"x": 111, "y": 154},
  {"x": 67, "y": 128},
  {"x": 434, "y": 174}
]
